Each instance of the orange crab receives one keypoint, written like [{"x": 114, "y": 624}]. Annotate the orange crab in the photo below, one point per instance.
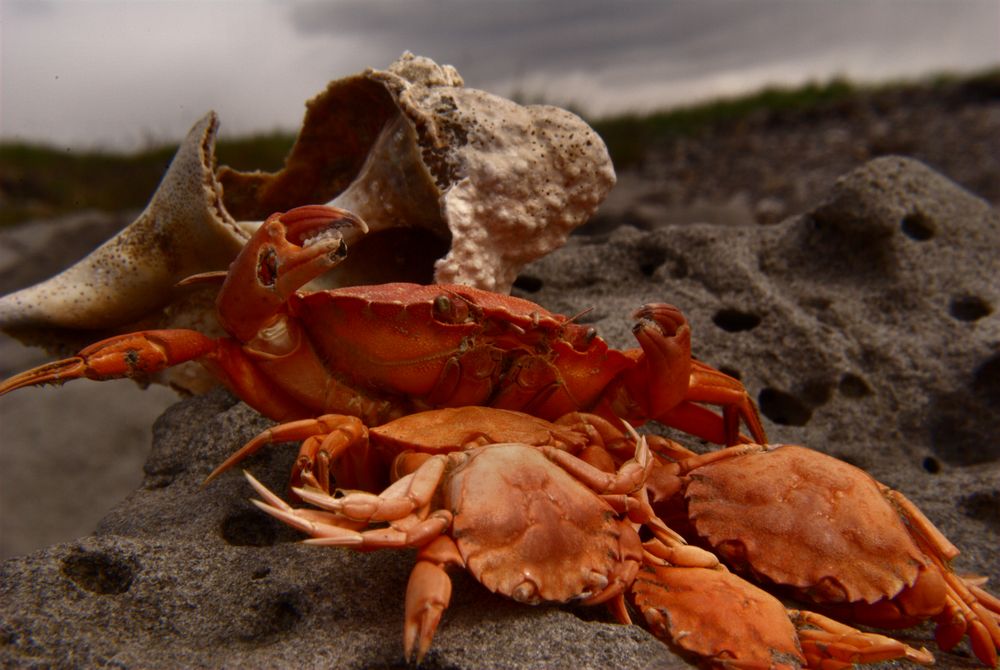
[
  {"x": 342, "y": 448},
  {"x": 540, "y": 525},
  {"x": 378, "y": 352},
  {"x": 824, "y": 530},
  {"x": 828, "y": 533}
]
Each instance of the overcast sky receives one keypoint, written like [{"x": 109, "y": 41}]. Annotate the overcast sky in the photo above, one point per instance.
[{"x": 84, "y": 73}]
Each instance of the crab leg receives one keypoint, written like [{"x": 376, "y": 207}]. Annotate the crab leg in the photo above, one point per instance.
[
  {"x": 712, "y": 386},
  {"x": 141, "y": 354},
  {"x": 329, "y": 528},
  {"x": 135, "y": 355},
  {"x": 428, "y": 594},
  {"x": 831, "y": 644},
  {"x": 667, "y": 382},
  {"x": 965, "y": 613},
  {"x": 629, "y": 477},
  {"x": 313, "y": 522},
  {"x": 399, "y": 500},
  {"x": 326, "y": 438}
]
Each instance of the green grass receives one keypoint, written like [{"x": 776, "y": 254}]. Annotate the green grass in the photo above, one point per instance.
[
  {"x": 629, "y": 137},
  {"x": 41, "y": 181}
]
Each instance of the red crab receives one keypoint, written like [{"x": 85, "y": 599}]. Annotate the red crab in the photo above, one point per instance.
[
  {"x": 538, "y": 524},
  {"x": 378, "y": 352}
]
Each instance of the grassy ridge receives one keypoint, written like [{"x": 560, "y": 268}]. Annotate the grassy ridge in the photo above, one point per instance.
[{"x": 40, "y": 181}]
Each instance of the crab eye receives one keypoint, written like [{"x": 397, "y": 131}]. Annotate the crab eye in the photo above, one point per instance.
[
  {"x": 447, "y": 310},
  {"x": 267, "y": 266},
  {"x": 442, "y": 306},
  {"x": 583, "y": 338}
]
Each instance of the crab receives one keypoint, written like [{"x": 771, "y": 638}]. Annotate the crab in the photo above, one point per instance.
[
  {"x": 341, "y": 448},
  {"x": 783, "y": 515},
  {"x": 825, "y": 532},
  {"x": 539, "y": 525},
  {"x": 379, "y": 352}
]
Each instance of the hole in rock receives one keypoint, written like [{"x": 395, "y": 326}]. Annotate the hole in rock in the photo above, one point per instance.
[
  {"x": 98, "y": 572},
  {"x": 962, "y": 427},
  {"x": 281, "y": 616},
  {"x": 652, "y": 258},
  {"x": 783, "y": 408},
  {"x": 918, "y": 227},
  {"x": 816, "y": 392},
  {"x": 734, "y": 320},
  {"x": 528, "y": 283},
  {"x": 261, "y": 573},
  {"x": 986, "y": 381},
  {"x": 931, "y": 465},
  {"x": 982, "y": 506},
  {"x": 679, "y": 269},
  {"x": 853, "y": 386},
  {"x": 248, "y": 529},
  {"x": 969, "y": 308},
  {"x": 271, "y": 618}
]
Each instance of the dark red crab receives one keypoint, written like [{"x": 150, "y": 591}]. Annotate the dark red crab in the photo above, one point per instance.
[{"x": 379, "y": 352}]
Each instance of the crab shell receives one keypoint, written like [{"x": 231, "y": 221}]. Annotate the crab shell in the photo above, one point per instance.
[
  {"x": 794, "y": 516},
  {"x": 530, "y": 531},
  {"x": 456, "y": 185},
  {"x": 715, "y": 615},
  {"x": 402, "y": 337}
]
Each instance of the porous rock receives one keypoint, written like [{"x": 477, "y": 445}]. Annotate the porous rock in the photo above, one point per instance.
[
  {"x": 180, "y": 576},
  {"x": 866, "y": 328}
]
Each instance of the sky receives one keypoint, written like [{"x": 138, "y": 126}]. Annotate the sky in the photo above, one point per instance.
[{"x": 124, "y": 74}]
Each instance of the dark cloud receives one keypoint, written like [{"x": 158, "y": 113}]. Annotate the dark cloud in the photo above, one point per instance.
[
  {"x": 599, "y": 56},
  {"x": 498, "y": 40}
]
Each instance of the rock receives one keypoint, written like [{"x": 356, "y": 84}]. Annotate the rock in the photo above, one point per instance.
[
  {"x": 177, "y": 576},
  {"x": 866, "y": 328}
]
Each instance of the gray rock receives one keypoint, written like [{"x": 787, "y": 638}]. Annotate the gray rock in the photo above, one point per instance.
[{"x": 866, "y": 329}]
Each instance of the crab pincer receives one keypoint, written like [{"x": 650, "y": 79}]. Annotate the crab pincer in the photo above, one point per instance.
[{"x": 288, "y": 250}]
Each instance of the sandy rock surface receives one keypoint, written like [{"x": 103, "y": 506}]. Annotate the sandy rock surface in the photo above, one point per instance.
[{"x": 866, "y": 328}]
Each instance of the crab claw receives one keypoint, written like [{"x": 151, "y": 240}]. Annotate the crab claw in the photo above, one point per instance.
[
  {"x": 672, "y": 386},
  {"x": 289, "y": 250},
  {"x": 317, "y": 238}
]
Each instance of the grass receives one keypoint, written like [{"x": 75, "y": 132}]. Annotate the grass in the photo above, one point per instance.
[
  {"x": 41, "y": 181},
  {"x": 629, "y": 137}
]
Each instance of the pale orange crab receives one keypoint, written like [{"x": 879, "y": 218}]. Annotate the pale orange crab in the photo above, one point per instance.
[
  {"x": 823, "y": 530},
  {"x": 540, "y": 525},
  {"x": 378, "y": 352},
  {"x": 826, "y": 532}
]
